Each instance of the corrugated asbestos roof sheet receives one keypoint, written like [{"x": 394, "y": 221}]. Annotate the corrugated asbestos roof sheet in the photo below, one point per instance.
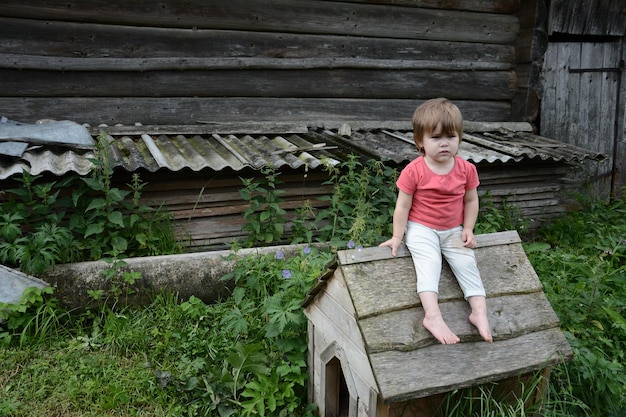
[{"x": 239, "y": 146}]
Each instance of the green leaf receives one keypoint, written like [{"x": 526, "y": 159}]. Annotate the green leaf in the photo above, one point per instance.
[
  {"x": 96, "y": 204},
  {"x": 141, "y": 239},
  {"x": 134, "y": 218},
  {"x": 117, "y": 218},
  {"x": 119, "y": 244},
  {"x": 94, "y": 229},
  {"x": 117, "y": 195},
  {"x": 246, "y": 359},
  {"x": 94, "y": 184}
]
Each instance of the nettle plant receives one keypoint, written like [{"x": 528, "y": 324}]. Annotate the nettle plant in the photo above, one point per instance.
[
  {"x": 265, "y": 219},
  {"x": 360, "y": 208},
  {"x": 79, "y": 219}
]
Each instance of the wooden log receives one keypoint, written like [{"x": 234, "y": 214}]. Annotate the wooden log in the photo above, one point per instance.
[
  {"x": 56, "y": 45},
  {"x": 190, "y": 110},
  {"x": 328, "y": 83},
  {"x": 298, "y": 16},
  {"x": 55, "y": 63},
  {"x": 486, "y": 6}
]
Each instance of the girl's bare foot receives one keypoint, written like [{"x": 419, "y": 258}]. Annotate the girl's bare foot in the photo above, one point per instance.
[
  {"x": 478, "y": 317},
  {"x": 480, "y": 321},
  {"x": 435, "y": 325}
]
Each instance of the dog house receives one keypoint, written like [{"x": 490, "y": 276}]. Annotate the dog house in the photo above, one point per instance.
[{"x": 370, "y": 356}]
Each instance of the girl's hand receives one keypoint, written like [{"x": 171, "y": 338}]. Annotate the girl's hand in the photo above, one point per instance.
[
  {"x": 394, "y": 244},
  {"x": 467, "y": 235}
]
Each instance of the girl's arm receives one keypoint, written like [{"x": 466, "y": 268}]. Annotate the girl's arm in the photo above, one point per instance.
[
  {"x": 470, "y": 214},
  {"x": 400, "y": 218}
]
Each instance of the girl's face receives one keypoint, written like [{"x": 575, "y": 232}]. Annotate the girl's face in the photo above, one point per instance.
[{"x": 440, "y": 147}]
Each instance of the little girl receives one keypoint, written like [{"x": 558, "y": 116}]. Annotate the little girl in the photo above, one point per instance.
[{"x": 437, "y": 208}]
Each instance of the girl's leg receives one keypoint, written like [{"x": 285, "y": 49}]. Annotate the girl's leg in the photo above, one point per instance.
[
  {"x": 423, "y": 243},
  {"x": 433, "y": 320},
  {"x": 462, "y": 262},
  {"x": 478, "y": 316}
]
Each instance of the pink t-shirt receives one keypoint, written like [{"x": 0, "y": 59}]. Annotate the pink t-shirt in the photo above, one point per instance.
[{"x": 437, "y": 199}]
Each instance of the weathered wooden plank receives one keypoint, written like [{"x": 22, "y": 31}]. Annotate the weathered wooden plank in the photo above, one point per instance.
[
  {"x": 336, "y": 290},
  {"x": 130, "y": 48},
  {"x": 396, "y": 371},
  {"x": 607, "y": 97},
  {"x": 344, "y": 323},
  {"x": 587, "y": 17},
  {"x": 337, "y": 83},
  {"x": 519, "y": 191},
  {"x": 38, "y": 62},
  {"x": 201, "y": 204},
  {"x": 550, "y": 93},
  {"x": 299, "y": 16},
  {"x": 541, "y": 201},
  {"x": 589, "y": 82},
  {"x": 372, "y": 254},
  {"x": 528, "y": 173},
  {"x": 190, "y": 110},
  {"x": 313, "y": 385},
  {"x": 486, "y": 6},
  {"x": 509, "y": 317},
  {"x": 317, "y": 344},
  {"x": 570, "y": 103},
  {"x": 536, "y": 168},
  {"x": 331, "y": 328}
]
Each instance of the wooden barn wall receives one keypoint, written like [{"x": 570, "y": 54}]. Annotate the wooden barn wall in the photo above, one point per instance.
[
  {"x": 208, "y": 209},
  {"x": 585, "y": 86},
  {"x": 199, "y": 61}
]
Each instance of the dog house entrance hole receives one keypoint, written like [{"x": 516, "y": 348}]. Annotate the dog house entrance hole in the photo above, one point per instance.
[{"x": 337, "y": 394}]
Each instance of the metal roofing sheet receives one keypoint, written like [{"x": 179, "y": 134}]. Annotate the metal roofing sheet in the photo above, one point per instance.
[
  {"x": 155, "y": 148},
  {"x": 62, "y": 132}
]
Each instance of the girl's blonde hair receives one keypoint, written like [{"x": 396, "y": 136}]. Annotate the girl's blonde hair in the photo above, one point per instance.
[{"x": 430, "y": 114}]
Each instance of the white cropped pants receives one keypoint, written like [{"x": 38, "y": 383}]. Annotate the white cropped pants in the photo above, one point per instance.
[{"x": 427, "y": 247}]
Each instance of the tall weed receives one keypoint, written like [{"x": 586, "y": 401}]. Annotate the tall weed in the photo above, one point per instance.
[
  {"x": 265, "y": 219},
  {"x": 361, "y": 205}
]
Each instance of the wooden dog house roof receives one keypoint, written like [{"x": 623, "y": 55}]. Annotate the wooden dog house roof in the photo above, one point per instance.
[{"x": 406, "y": 361}]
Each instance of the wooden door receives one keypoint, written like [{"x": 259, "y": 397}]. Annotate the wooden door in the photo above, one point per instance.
[{"x": 583, "y": 105}]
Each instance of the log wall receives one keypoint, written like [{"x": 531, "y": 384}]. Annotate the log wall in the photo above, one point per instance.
[{"x": 169, "y": 62}]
